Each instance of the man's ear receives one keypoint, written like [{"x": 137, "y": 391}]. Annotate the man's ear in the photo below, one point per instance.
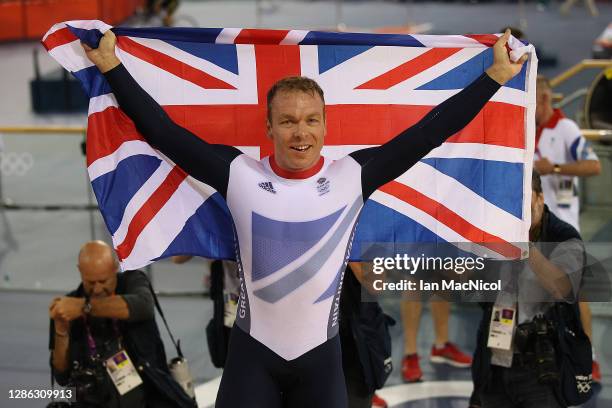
[
  {"x": 324, "y": 124},
  {"x": 548, "y": 97},
  {"x": 268, "y": 129}
]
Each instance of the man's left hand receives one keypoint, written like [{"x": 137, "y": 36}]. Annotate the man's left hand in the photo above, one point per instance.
[
  {"x": 67, "y": 308},
  {"x": 544, "y": 166},
  {"x": 503, "y": 69}
]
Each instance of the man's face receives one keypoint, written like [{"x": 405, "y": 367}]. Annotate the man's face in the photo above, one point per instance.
[
  {"x": 297, "y": 129},
  {"x": 537, "y": 208},
  {"x": 99, "y": 280}
]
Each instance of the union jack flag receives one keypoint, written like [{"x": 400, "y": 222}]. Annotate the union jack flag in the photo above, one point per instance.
[{"x": 475, "y": 188}]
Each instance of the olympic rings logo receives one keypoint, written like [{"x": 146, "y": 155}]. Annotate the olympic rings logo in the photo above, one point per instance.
[
  {"x": 583, "y": 387},
  {"x": 16, "y": 164}
]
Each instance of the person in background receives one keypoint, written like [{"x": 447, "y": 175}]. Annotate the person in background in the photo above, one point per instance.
[
  {"x": 442, "y": 351},
  {"x": 517, "y": 362},
  {"x": 223, "y": 283},
  {"x": 105, "y": 341},
  {"x": 163, "y": 8},
  {"x": 562, "y": 155}
]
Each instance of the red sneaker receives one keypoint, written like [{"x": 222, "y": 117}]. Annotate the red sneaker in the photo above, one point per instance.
[
  {"x": 450, "y": 354},
  {"x": 411, "y": 371},
  {"x": 596, "y": 372},
  {"x": 378, "y": 402}
]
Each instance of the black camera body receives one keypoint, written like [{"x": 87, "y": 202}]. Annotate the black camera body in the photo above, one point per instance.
[
  {"x": 91, "y": 383},
  {"x": 537, "y": 338}
]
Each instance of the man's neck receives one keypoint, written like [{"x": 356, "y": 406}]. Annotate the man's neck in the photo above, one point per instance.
[
  {"x": 296, "y": 174},
  {"x": 547, "y": 115}
]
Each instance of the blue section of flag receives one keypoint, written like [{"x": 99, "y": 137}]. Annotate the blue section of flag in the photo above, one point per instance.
[
  {"x": 115, "y": 189},
  {"x": 332, "y": 55},
  {"x": 324, "y": 38},
  {"x": 195, "y": 35},
  {"x": 208, "y": 232},
  {"x": 500, "y": 183},
  {"x": 381, "y": 224},
  {"x": 222, "y": 55},
  {"x": 463, "y": 75},
  {"x": 89, "y": 37},
  {"x": 93, "y": 82}
]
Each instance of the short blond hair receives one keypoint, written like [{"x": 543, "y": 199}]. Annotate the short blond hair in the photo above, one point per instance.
[
  {"x": 543, "y": 83},
  {"x": 294, "y": 83}
]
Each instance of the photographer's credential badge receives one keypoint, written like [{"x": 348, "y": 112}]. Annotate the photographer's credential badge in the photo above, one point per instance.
[
  {"x": 122, "y": 372},
  {"x": 501, "y": 329},
  {"x": 565, "y": 191}
]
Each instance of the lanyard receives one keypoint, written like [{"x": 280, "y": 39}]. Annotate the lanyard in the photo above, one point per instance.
[{"x": 91, "y": 343}]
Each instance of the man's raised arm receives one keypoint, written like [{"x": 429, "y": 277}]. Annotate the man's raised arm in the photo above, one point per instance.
[
  {"x": 206, "y": 162},
  {"x": 382, "y": 164}
]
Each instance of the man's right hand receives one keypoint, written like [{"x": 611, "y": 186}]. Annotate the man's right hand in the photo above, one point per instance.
[
  {"x": 62, "y": 326},
  {"x": 104, "y": 56}
]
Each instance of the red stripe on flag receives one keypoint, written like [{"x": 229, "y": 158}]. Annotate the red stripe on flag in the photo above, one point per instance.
[
  {"x": 245, "y": 125},
  {"x": 497, "y": 124},
  {"x": 172, "y": 65},
  {"x": 59, "y": 37},
  {"x": 451, "y": 219},
  {"x": 348, "y": 124},
  {"x": 251, "y": 36},
  {"x": 149, "y": 209},
  {"x": 106, "y": 131},
  {"x": 487, "y": 39},
  {"x": 409, "y": 68},
  {"x": 273, "y": 64}
]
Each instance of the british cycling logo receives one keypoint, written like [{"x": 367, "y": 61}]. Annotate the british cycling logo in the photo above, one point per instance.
[
  {"x": 323, "y": 186},
  {"x": 267, "y": 185}
]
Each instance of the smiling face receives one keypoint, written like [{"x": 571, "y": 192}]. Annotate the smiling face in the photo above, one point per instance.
[{"x": 296, "y": 125}]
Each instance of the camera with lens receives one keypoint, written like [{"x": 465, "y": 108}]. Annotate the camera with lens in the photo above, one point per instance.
[
  {"x": 91, "y": 382},
  {"x": 537, "y": 338}
]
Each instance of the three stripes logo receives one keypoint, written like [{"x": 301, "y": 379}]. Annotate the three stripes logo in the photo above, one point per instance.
[{"x": 267, "y": 185}]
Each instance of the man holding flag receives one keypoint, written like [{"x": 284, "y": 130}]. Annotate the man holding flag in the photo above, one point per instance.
[{"x": 284, "y": 349}]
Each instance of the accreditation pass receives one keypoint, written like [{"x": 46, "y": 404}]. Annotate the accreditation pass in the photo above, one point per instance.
[
  {"x": 122, "y": 372},
  {"x": 503, "y": 319}
]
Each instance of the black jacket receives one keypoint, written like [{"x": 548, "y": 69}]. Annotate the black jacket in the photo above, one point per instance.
[
  {"x": 364, "y": 332},
  {"x": 141, "y": 340}
]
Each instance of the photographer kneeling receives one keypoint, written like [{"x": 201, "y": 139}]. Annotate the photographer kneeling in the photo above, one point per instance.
[
  {"x": 532, "y": 350},
  {"x": 105, "y": 341}
]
